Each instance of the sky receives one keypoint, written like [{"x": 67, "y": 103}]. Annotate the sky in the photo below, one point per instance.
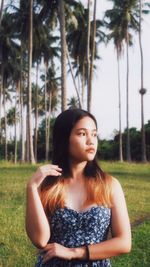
[{"x": 105, "y": 88}]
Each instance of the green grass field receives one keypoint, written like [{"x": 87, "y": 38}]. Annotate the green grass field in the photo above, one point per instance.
[{"x": 17, "y": 251}]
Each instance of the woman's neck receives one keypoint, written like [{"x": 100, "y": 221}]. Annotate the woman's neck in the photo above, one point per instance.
[{"x": 77, "y": 169}]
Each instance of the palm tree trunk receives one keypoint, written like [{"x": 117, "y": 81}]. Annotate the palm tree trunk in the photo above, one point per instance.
[
  {"x": 22, "y": 137},
  {"x": 5, "y": 122},
  {"x": 27, "y": 141},
  {"x": 1, "y": 90},
  {"x": 29, "y": 110},
  {"x": 16, "y": 105},
  {"x": 36, "y": 114},
  {"x": 119, "y": 94},
  {"x": 46, "y": 115},
  {"x": 142, "y": 91},
  {"x": 88, "y": 56},
  {"x": 63, "y": 55},
  {"x": 83, "y": 83},
  {"x": 127, "y": 105},
  {"x": 1, "y": 11},
  {"x": 79, "y": 77},
  {"x": 48, "y": 123},
  {"x": 92, "y": 58},
  {"x": 74, "y": 81}
]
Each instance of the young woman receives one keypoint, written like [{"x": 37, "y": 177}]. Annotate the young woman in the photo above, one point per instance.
[{"x": 72, "y": 203}]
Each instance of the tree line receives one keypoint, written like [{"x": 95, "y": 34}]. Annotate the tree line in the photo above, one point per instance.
[{"x": 40, "y": 41}]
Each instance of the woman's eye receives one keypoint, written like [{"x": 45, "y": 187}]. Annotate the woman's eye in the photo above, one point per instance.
[{"x": 81, "y": 134}]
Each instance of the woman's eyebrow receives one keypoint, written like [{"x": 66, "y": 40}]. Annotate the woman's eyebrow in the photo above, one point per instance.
[{"x": 86, "y": 129}]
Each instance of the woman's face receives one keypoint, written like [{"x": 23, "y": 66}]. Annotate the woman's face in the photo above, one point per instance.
[{"x": 83, "y": 140}]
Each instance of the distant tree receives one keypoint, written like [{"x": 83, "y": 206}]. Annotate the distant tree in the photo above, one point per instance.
[{"x": 73, "y": 103}]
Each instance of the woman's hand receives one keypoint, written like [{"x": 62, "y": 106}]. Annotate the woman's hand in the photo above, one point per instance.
[
  {"x": 42, "y": 172},
  {"x": 56, "y": 250}
]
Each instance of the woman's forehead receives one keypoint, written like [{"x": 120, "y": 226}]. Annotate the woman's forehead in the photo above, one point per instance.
[{"x": 86, "y": 123}]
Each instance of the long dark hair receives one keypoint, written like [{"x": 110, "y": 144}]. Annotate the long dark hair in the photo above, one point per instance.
[
  {"x": 53, "y": 187},
  {"x": 62, "y": 129}
]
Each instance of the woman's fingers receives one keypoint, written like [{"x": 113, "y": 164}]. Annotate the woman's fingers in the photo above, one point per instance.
[
  {"x": 50, "y": 169},
  {"x": 55, "y": 250},
  {"x": 42, "y": 172}
]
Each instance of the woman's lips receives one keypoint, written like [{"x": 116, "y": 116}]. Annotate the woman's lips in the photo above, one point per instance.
[{"x": 90, "y": 150}]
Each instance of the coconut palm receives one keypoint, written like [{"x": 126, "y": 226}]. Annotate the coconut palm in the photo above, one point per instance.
[
  {"x": 45, "y": 47},
  {"x": 93, "y": 31},
  {"x": 115, "y": 34},
  {"x": 88, "y": 55},
  {"x": 16, "y": 83},
  {"x": 142, "y": 10},
  {"x": 12, "y": 120},
  {"x": 1, "y": 11},
  {"x": 73, "y": 103},
  {"x": 77, "y": 44},
  {"x": 61, "y": 13},
  {"x": 50, "y": 93},
  {"x": 54, "y": 11},
  {"x": 29, "y": 92},
  {"x": 8, "y": 50},
  {"x": 126, "y": 17}
]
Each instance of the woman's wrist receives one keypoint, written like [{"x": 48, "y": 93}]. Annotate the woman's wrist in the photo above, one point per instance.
[
  {"x": 79, "y": 253},
  {"x": 31, "y": 185}
]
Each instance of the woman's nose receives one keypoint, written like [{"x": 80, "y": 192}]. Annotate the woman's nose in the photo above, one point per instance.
[{"x": 90, "y": 140}]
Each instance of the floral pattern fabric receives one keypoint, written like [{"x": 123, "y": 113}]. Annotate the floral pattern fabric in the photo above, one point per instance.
[{"x": 75, "y": 229}]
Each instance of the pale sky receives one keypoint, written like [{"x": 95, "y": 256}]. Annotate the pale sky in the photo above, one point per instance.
[{"x": 105, "y": 90}]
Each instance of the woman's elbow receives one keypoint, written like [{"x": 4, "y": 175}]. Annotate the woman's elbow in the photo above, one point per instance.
[
  {"x": 126, "y": 247},
  {"x": 38, "y": 240},
  {"x": 40, "y": 244}
]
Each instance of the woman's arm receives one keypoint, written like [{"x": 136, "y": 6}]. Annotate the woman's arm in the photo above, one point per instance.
[{"x": 37, "y": 225}]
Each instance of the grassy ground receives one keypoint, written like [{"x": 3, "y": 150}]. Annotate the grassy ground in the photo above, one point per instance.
[{"x": 17, "y": 251}]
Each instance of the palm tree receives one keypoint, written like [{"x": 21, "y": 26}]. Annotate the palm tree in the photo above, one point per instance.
[
  {"x": 50, "y": 92},
  {"x": 16, "y": 82},
  {"x": 63, "y": 54},
  {"x": 142, "y": 90},
  {"x": 36, "y": 113},
  {"x": 73, "y": 103},
  {"x": 8, "y": 50},
  {"x": 29, "y": 105},
  {"x": 52, "y": 12},
  {"x": 93, "y": 30},
  {"x": 76, "y": 40},
  {"x": 12, "y": 120},
  {"x": 126, "y": 19},
  {"x": 1, "y": 82},
  {"x": 5, "y": 120},
  {"x": 73, "y": 78},
  {"x": 1, "y": 11},
  {"x": 88, "y": 55},
  {"x": 21, "y": 20},
  {"x": 77, "y": 45},
  {"x": 116, "y": 35}
]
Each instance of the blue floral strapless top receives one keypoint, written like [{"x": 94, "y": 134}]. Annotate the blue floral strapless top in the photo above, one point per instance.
[{"x": 75, "y": 229}]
